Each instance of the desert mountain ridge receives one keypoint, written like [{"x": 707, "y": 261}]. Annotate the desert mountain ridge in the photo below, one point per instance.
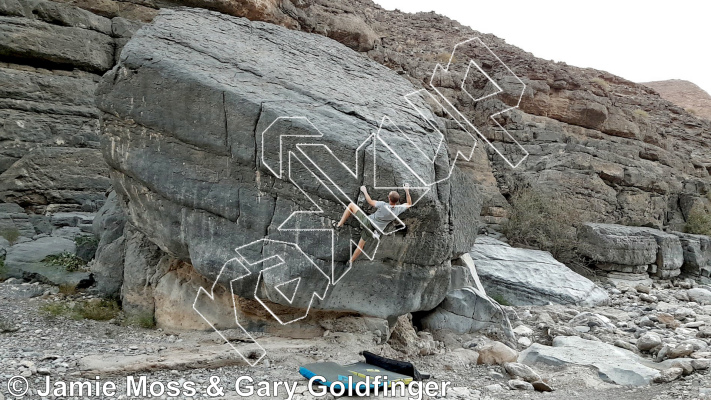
[{"x": 684, "y": 94}]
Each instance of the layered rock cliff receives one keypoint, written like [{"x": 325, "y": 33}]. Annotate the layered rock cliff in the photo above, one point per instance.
[{"x": 614, "y": 147}]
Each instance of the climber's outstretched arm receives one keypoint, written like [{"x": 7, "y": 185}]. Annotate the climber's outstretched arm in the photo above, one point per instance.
[
  {"x": 367, "y": 196},
  {"x": 407, "y": 196}
]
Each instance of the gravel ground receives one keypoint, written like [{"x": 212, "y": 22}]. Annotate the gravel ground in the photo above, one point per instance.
[{"x": 37, "y": 347}]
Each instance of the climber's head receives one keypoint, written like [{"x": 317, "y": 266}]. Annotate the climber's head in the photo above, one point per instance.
[{"x": 394, "y": 197}]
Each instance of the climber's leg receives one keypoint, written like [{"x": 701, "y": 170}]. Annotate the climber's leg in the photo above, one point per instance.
[
  {"x": 351, "y": 209},
  {"x": 358, "y": 250}
]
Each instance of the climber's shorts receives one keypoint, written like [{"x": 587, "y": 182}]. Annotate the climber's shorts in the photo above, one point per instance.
[{"x": 367, "y": 227}]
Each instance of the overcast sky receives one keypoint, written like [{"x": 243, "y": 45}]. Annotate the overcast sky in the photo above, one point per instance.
[{"x": 638, "y": 40}]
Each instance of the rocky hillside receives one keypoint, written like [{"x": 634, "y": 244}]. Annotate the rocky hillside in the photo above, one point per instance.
[
  {"x": 615, "y": 148},
  {"x": 684, "y": 94}
]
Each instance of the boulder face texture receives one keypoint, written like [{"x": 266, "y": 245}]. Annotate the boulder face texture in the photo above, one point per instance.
[
  {"x": 197, "y": 181},
  {"x": 531, "y": 277},
  {"x": 56, "y": 175},
  {"x": 468, "y": 310},
  {"x": 633, "y": 249},
  {"x": 108, "y": 265},
  {"x": 697, "y": 253}
]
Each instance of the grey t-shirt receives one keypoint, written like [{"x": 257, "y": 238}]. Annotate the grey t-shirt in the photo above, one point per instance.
[{"x": 385, "y": 214}]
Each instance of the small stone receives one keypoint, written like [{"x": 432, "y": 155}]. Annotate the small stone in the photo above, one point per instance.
[
  {"x": 701, "y": 364},
  {"x": 496, "y": 375},
  {"x": 699, "y": 345},
  {"x": 685, "y": 365},
  {"x": 699, "y": 295},
  {"x": 520, "y": 385},
  {"x": 521, "y": 371},
  {"x": 648, "y": 298},
  {"x": 648, "y": 341},
  {"x": 496, "y": 353},
  {"x": 681, "y": 350},
  {"x": 684, "y": 332},
  {"x": 625, "y": 345},
  {"x": 684, "y": 312},
  {"x": 684, "y": 284},
  {"x": 523, "y": 330},
  {"x": 701, "y": 354},
  {"x": 541, "y": 386},
  {"x": 459, "y": 392},
  {"x": 668, "y": 375},
  {"x": 662, "y": 354},
  {"x": 668, "y": 320},
  {"x": 43, "y": 371},
  {"x": 643, "y": 288},
  {"x": 524, "y": 341},
  {"x": 493, "y": 388}
]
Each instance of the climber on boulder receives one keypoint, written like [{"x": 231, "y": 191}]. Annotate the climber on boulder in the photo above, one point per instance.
[{"x": 375, "y": 223}]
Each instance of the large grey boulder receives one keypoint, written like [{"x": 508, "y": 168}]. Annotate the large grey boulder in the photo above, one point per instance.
[
  {"x": 617, "y": 244},
  {"x": 613, "y": 364},
  {"x": 468, "y": 310},
  {"x": 194, "y": 178},
  {"x": 24, "y": 260},
  {"x": 108, "y": 265},
  {"x": 630, "y": 249},
  {"x": 697, "y": 253},
  {"x": 144, "y": 265},
  {"x": 531, "y": 277}
]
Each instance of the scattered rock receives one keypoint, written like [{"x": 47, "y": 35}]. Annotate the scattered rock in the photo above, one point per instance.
[
  {"x": 681, "y": 350},
  {"x": 626, "y": 345},
  {"x": 699, "y": 295},
  {"x": 542, "y": 386},
  {"x": 685, "y": 365},
  {"x": 700, "y": 364},
  {"x": 521, "y": 371},
  {"x": 516, "y": 384},
  {"x": 668, "y": 375},
  {"x": 648, "y": 341},
  {"x": 524, "y": 341},
  {"x": 523, "y": 330},
  {"x": 496, "y": 353}
]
